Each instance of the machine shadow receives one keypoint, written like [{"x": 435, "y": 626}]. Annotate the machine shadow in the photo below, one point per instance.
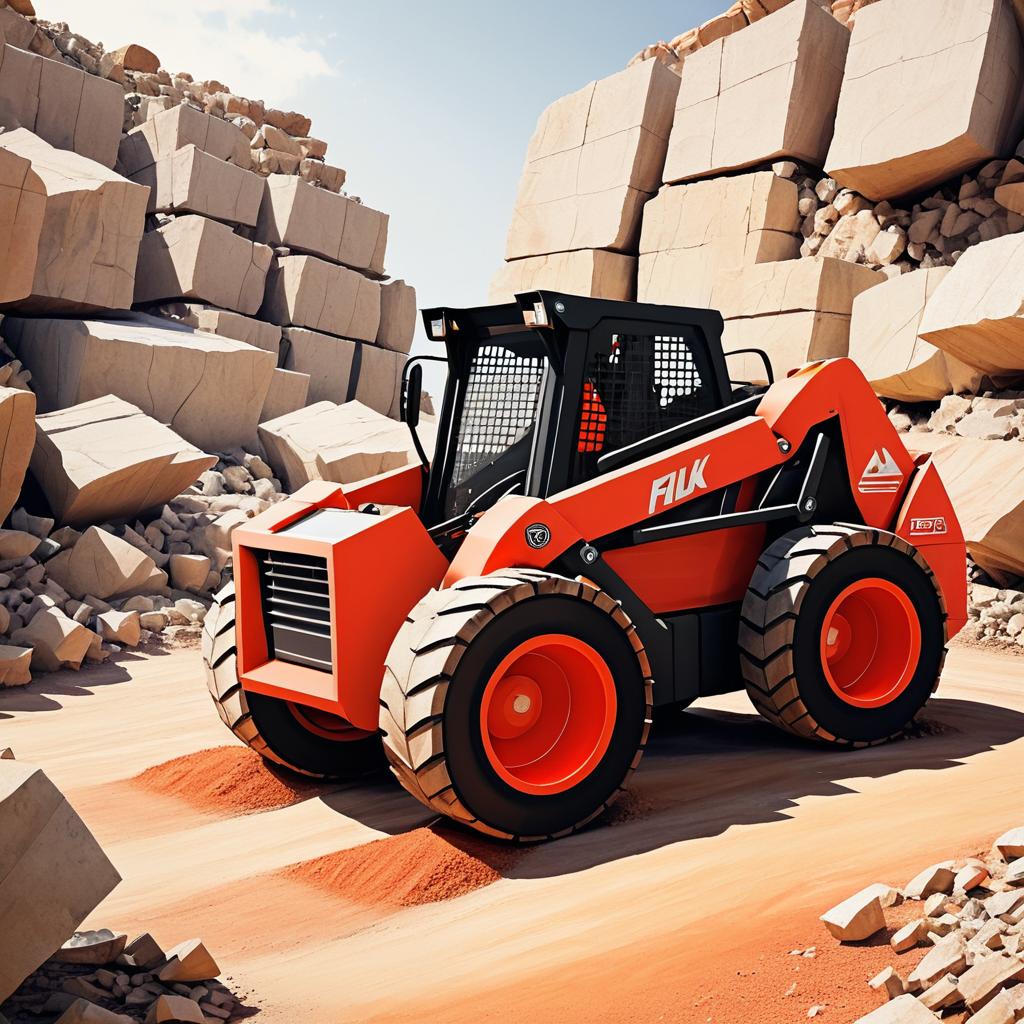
[{"x": 705, "y": 771}]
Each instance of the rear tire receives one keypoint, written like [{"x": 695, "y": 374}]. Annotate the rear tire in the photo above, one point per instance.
[
  {"x": 289, "y": 735},
  {"x": 460, "y": 732},
  {"x": 842, "y": 634}
]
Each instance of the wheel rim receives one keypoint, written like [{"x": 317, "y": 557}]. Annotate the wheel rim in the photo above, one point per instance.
[
  {"x": 870, "y": 643},
  {"x": 325, "y": 725},
  {"x": 547, "y": 714}
]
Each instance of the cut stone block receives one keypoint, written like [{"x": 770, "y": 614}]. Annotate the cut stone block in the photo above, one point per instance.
[
  {"x": 57, "y": 642},
  {"x": 104, "y": 566},
  {"x": 288, "y": 391},
  {"x": 982, "y": 983},
  {"x": 986, "y": 487},
  {"x": 308, "y": 292},
  {"x": 934, "y": 879},
  {"x": 208, "y": 389},
  {"x": 226, "y": 323},
  {"x": 977, "y": 312},
  {"x": 857, "y": 918},
  {"x": 790, "y": 339},
  {"x": 191, "y": 181},
  {"x": 17, "y": 428},
  {"x": 189, "y": 572},
  {"x": 596, "y": 272},
  {"x": 341, "y": 370},
  {"x": 168, "y": 131},
  {"x": 89, "y": 239},
  {"x": 106, "y": 459},
  {"x": 196, "y": 258},
  {"x": 15, "y": 665},
  {"x": 314, "y": 221},
  {"x": 693, "y": 232},
  {"x": 340, "y": 443},
  {"x": 22, "y": 208},
  {"x": 69, "y": 108},
  {"x": 958, "y": 71},
  {"x": 905, "y": 1009},
  {"x": 765, "y": 93},
  {"x": 397, "y": 316},
  {"x": 595, "y": 157},
  {"x": 52, "y": 871},
  {"x": 1011, "y": 844},
  {"x": 189, "y": 961},
  {"x": 885, "y": 343},
  {"x": 120, "y": 628},
  {"x": 174, "y": 1008}
]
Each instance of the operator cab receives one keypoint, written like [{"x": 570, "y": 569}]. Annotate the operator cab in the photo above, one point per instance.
[{"x": 553, "y": 390}]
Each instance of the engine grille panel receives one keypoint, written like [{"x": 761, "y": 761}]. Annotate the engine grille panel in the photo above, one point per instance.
[{"x": 297, "y": 608}]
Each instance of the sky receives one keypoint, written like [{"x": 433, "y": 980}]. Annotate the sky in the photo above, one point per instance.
[{"x": 428, "y": 106}]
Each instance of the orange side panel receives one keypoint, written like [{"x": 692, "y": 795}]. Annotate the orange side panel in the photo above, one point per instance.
[
  {"x": 402, "y": 486},
  {"x": 928, "y": 521},
  {"x": 691, "y": 572}
]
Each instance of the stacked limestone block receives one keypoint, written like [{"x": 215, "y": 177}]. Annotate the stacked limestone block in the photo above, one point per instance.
[{"x": 595, "y": 158}]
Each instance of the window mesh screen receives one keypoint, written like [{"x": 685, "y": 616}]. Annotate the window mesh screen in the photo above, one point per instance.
[
  {"x": 499, "y": 413},
  {"x": 646, "y": 384}
]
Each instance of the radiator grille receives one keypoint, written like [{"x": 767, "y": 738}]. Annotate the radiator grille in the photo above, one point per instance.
[{"x": 297, "y": 608}]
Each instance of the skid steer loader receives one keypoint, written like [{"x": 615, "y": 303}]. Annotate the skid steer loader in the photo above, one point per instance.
[{"x": 608, "y": 525}]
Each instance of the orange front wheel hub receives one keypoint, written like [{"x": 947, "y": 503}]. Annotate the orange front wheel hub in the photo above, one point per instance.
[
  {"x": 547, "y": 714},
  {"x": 870, "y": 643}
]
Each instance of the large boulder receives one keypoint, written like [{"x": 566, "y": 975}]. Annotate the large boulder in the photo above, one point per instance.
[
  {"x": 692, "y": 233},
  {"x": 53, "y": 873},
  {"x": 208, "y": 389},
  {"x": 191, "y": 181},
  {"x": 89, "y": 239},
  {"x": 343, "y": 371},
  {"x": 977, "y": 312},
  {"x": 886, "y": 344},
  {"x": 596, "y": 272},
  {"x": 932, "y": 88},
  {"x": 306, "y": 292},
  {"x": 340, "y": 443},
  {"x": 317, "y": 222},
  {"x": 168, "y": 131},
  {"x": 196, "y": 258},
  {"x": 22, "y": 208},
  {"x": 17, "y": 428},
  {"x": 595, "y": 158},
  {"x": 104, "y": 566},
  {"x": 69, "y": 108},
  {"x": 56, "y": 641},
  {"x": 397, "y": 316},
  {"x": 767, "y": 92},
  {"x": 106, "y": 459}
]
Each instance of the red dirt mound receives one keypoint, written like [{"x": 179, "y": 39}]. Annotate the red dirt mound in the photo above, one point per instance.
[
  {"x": 230, "y": 780},
  {"x": 407, "y": 870}
]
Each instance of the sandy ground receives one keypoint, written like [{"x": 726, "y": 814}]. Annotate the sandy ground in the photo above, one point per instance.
[{"x": 683, "y": 909}]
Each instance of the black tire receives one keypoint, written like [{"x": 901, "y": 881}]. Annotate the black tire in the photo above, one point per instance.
[
  {"x": 795, "y": 583},
  {"x": 435, "y": 676},
  {"x": 267, "y": 724}
]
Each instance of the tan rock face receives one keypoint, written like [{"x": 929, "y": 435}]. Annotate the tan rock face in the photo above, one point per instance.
[
  {"x": 693, "y": 232},
  {"x": 288, "y": 391},
  {"x": 191, "y": 181},
  {"x": 227, "y": 324},
  {"x": 70, "y": 109},
  {"x": 975, "y": 313},
  {"x": 210, "y": 390},
  {"x": 168, "y": 131},
  {"x": 17, "y": 428},
  {"x": 398, "y": 316},
  {"x": 104, "y": 566},
  {"x": 885, "y": 344},
  {"x": 769, "y": 91},
  {"x": 340, "y": 443},
  {"x": 596, "y": 272},
  {"x": 52, "y": 872},
  {"x": 958, "y": 84},
  {"x": 89, "y": 237},
  {"x": 594, "y": 159},
  {"x": 342, "y": 371},
  {"x": 308, "y": 292},
  {"x": 106, "y": 459},
  {"x": 311, "y": 220},
  {"x": 196, "y": 258},
  {"x": 22, "y": 208}
]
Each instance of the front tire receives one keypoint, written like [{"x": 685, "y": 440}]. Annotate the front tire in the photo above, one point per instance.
[
  {"x": 517, "y": 704},
  {"x": 842, "y": 634}
]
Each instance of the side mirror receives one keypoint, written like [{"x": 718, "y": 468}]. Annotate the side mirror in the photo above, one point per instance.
[{"x": 412, "y": 393}]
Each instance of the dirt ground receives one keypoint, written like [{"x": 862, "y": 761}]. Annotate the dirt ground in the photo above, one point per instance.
[{"x": 685, "y": 907}]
